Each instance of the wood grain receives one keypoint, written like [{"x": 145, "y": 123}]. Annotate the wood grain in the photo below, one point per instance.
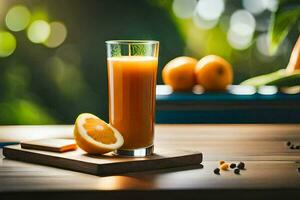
[{"x": 272, "y": 168}]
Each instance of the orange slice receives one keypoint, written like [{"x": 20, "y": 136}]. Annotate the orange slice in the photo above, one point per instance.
[{"x": 95, "y": 136}]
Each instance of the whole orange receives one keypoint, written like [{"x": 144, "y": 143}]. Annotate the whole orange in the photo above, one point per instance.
[
  {"x": 214, "y": 73},
  {"x": 179, "y": 73}
]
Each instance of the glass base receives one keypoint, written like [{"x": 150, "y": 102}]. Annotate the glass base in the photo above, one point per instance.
[{"x": 142, "y": 152}]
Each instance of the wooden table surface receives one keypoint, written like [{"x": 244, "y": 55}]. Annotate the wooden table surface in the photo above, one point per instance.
[{"x": 271, "y": 167}]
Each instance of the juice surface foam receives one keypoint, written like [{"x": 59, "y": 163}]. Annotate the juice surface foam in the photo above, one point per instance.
[{"x": 132, "y": 58}]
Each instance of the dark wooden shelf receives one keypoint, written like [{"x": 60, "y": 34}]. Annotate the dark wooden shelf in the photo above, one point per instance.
[{"x": 238, "y": 105}]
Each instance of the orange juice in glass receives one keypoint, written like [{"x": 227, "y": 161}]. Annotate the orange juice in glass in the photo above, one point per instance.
[{"x": 132, "y": 71}]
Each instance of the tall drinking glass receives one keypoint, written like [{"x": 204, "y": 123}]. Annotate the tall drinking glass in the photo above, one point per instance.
[{"x": 132, "y": 71}]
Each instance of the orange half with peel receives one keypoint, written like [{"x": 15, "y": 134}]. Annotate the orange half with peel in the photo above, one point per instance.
[{"x": 95, "y": 136}]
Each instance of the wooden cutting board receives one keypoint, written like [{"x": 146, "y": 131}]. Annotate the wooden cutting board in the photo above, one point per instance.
[{"x": 104, "y": 165}]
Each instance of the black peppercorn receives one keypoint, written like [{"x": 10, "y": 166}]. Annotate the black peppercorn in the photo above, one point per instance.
[
  {"x": 288, "y": 143},
  {"x": 232, "y": 165},
  {"x": 297, "y": 147},
  {"x": 292, "y": 147},
  {"x": 237, "y": 171},
  {"x": 217, "y": 171},
  {"x": 241, "y": 165}
]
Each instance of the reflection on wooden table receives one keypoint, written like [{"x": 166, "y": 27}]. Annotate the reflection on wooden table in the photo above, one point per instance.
[{"x": 271, "y": 167}]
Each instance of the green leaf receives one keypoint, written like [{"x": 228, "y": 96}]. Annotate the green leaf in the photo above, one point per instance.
[{"x": 281, "y": 23}]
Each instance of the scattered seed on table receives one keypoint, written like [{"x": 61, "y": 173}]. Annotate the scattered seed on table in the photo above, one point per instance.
[
  {"x": 241, "y": 165},
  {"x": 232, "y": 165},
  {"x": 221, "y": 162},
  {"x": 224, "y": 166},
  {"x": 288, "y": 143},
  {"x": 237, "y": 171},
  {"x": 217, "y": 171},
  {"x": 292, "y": 147}
]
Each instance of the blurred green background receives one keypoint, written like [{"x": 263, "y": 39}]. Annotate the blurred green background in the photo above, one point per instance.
[{"x": 53, "y": 56}]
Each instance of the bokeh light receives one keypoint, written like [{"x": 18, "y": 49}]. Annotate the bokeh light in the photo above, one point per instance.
[
  {"x": 203, "y": 23},
  {"x": 272, "y": 5},
  {"x": 163, "y": 90},
  {"x": 242, "y": 90},
  {"x": 242, "y": 22},
  {"x": 254, "y": 6},
  {"x": 17, "y": 18},
  {"x": 62, "y": 74},
  {"x": 210, "y": 9},
  {"x": 8, "y": 43},
  {"x": 242, "y": 27},
  {"x": 238, "y": 41},
  {"x": 55, "y": 69},
  {"x": 57, "y": 35},
  {"x": 262, "y": 45},
  {"x": 267, "y": 90},
  {"x": 198, "y": 89},
  {"x": 69, "y": 53},
  {"x": 184, "y": 8},
  {"x": 17, "y": 78},
  {"x": 207, "y": 13},
  {"x": 258, "y": 6},
  {"x": 38, "y": 31}
]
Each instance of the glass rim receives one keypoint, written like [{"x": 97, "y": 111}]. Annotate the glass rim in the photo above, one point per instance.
[{"x": 132, "y": 42}]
